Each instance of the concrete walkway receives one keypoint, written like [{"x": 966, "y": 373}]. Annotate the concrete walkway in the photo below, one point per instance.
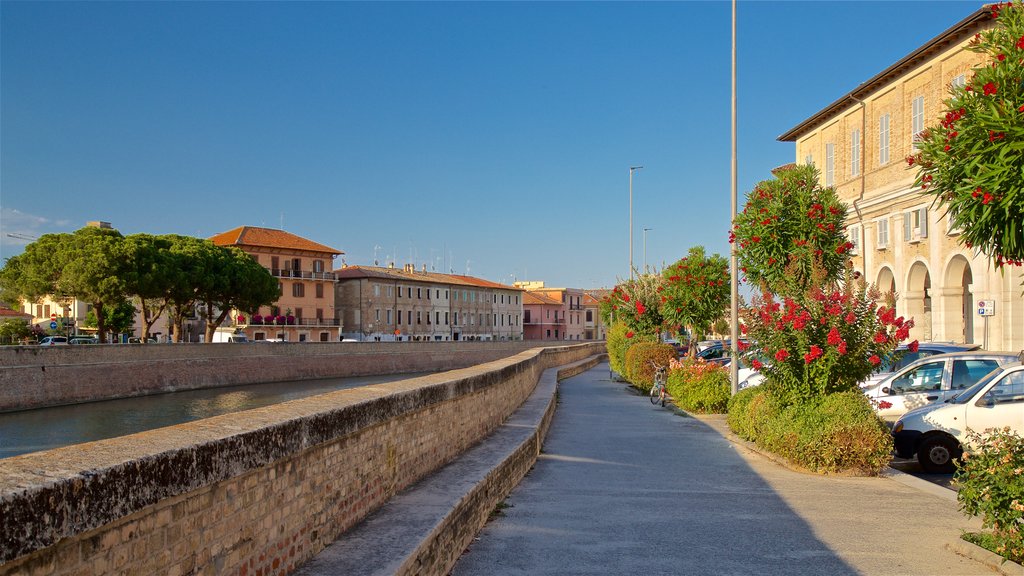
[{"x": 624, "y": 487}]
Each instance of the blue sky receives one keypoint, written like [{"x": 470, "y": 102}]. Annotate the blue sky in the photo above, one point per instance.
[{"x": 488, "y": 138}]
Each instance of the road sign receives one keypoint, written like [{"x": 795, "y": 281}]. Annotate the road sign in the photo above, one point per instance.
[
  {"x": 53, "y": 325},
  {"x": 986, "y": 307},
  {"x": 53, "y": 317}
]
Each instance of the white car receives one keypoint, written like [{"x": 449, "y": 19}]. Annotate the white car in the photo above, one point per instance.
[
  {"x": 54, "y": 341},
  {"x": 932, "y": 379},
  {"x": 938, "y": 433}
]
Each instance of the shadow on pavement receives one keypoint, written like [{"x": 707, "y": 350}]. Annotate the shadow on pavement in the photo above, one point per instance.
[{"x": 625, "y": 487}]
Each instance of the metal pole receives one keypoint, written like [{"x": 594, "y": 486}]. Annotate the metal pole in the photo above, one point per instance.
[
  {"x": 646, "y": 230},
  {"x": 631, "y": 170},
  {"x": 734, "y": 328}
]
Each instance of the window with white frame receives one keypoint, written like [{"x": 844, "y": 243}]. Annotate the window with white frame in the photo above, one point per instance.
[
  {"x": 915, "y": 224},
  {"x": 959, "y": 81},
  {"x": 882, "y": 233},
  {"x": 917, "y": 119},
  {"x": 809, "y": 160},
  {"x": 830, "y": 163},
  {"x": 883, "y": 139},
  {"x": 853, "y": 234},
  {"x": 855, "y": 153}
]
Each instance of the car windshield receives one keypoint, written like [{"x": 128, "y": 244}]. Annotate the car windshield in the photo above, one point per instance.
[{"x": 965, "y": 396}]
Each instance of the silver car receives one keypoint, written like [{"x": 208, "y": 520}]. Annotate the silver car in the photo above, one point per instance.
[
  {"x": 932, "y": 379},
  {"x": 903, "y": 357}
]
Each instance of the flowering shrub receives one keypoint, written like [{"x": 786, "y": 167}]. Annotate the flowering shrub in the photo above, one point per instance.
[
  {"x": 991, "y": 484},
  {"x": 641, "y": 359},
  {"x": 618, "y": 339},
  {"x": 789, "y": 227},
  {"x": 827, "y": 341},
  {"x": 971, "y": 162},
  {"x": 699, "y": 386},
  {"x": 695, "y": 292},
  {"x": 257, "y": 319},
  {"x": 636, "y": 303}
]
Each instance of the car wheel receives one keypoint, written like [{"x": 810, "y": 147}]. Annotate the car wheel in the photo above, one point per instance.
[{"x": 937, "y": 454}]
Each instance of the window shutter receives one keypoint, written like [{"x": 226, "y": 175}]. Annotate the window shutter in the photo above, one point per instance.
[
  {"x": 924, "y": 222},
  {"x": 907, "y": 226}
]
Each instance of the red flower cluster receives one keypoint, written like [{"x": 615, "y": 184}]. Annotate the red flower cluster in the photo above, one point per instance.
[
  {"x": 990, "y": 88},
  {"x": 875, "y": 360},
  {"x": 834, "y": 338},
  {"x": 629, "y": 334},
  {"x": 640, "y": 308},
  {"x": 781, "y": 355},
  {"x": 912, "y": 346},
  {"x": 814, "y": 353},
  {"x": 756, "y": 365}
]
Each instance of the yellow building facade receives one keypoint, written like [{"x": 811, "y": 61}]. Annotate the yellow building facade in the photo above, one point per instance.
[{"x": 903, "y": 242}]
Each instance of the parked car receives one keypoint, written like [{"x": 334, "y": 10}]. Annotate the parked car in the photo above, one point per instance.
[
  {"x": 895, "y": 362},
  {"x": 937, "y": 434},
  {"x": 54, "y": 341},
  {"x": 83, "y": 340},
  {"x": 718, "y": 353},
  {"x": 932, "y": 379}
]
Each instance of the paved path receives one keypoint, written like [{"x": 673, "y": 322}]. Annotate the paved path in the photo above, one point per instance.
[{"x": 624, "y": 487}]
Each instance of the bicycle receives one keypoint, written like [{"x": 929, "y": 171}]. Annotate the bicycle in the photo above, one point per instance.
[{"x": 658, "y": 392}]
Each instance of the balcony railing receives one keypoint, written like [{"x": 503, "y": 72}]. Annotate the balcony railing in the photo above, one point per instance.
[
  {"x": 303, "y": 274},
  {"x": 307, "y": 322}
]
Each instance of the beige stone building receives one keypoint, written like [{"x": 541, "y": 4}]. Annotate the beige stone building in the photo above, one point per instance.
[
  {"x": 902, "y": 242},
  {"x": 404, "y": 304}
]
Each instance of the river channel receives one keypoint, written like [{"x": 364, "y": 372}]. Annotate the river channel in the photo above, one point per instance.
[{"x": 47, "y": 428}]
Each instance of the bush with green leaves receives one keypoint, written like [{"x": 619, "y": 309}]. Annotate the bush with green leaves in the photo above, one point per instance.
[
  {"x": 641, "y": 360},
  {"x": 832, "y": 433},
  {"x": 14, "y": 330},
  {"x": 695, "y": 292},
  {"x": 991, "y": 484},
  {"x": 618, "y": 339},
  {"x": 699, "y": 386},
  {"x": 972, "y": 162},
  {"x": 636, "y": 303}
]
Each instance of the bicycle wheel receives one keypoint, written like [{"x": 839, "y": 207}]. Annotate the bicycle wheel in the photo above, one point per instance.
[
  {"x": 655, "y": 394},
  {"x": 664, "y": 393}
]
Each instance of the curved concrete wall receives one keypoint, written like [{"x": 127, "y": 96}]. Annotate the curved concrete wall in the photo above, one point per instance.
[
  {"x": 256, "y": 491},
  {"x": 37, "y": 377}
]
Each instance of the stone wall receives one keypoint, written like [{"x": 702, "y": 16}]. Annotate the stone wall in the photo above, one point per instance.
[
  {"x": 36, "y": 377},
  {"x": 256, "y": 492}
]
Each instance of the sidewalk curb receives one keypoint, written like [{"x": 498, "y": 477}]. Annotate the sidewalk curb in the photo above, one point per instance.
[{"x": 983, "y": 556}]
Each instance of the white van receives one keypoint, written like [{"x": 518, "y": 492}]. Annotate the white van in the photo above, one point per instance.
[
  {"x": 938, "y": 433},
  {"x": 229, "y": 335}
]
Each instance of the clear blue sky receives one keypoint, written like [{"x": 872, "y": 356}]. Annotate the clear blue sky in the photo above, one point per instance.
[{"x": 495, "y": 133}]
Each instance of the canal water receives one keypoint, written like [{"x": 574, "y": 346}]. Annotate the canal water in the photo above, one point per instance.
[{"x": 47, "y": 428}]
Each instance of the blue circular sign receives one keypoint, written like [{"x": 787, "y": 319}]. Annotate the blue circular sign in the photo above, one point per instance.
[{"x": 53, "y": 325}]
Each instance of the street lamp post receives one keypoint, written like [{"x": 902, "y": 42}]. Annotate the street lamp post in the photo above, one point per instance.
[
  {"x": 733, "y": 265},
  {"x": 646, "y": 230},
  {"x": 631, "y": 170}
]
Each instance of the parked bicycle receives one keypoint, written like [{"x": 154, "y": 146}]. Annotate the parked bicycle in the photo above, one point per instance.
[{"x": 658, "y": 392}]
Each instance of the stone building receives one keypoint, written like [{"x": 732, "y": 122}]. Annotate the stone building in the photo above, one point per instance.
[
  {"x": 404, "y": 304},
  {"x": 901, "y": 241}
]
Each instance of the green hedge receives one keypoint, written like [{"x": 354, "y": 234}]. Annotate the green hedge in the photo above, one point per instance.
[
  {"x": 617, "y": 342},
  {"x": 640, "y": 360},
  {"x": 700, "y": 387},
  {"x": 833, "y": 433}
]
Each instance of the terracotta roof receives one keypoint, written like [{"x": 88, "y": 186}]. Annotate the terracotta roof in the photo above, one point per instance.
[
  {"x": 537, "y": 299},
  {"x": 8, "y": 313},
  {"x": 403, "y": 275},
  {"x": 957, "y": 33},
  {"x": 269, "y": 238}
]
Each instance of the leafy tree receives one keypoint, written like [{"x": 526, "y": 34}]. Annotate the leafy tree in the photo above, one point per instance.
[
  {"x": 236, "y": 282},
  {"x": 789, "y": 227},
  {"x": 972, "y": 163},
  {"x": 87, "y": 265},
  {"x": 695, "y": 292},
  {"x": 191, "y": 264},
  {"x": 119, "y": 318},
  {"x": 14, "y": 330},
  {"x": 150, "y": 276},
  {"x": 637, "y": 304}
]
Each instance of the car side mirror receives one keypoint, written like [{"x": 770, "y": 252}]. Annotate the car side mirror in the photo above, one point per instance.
[{"x": 886, "y": 391}]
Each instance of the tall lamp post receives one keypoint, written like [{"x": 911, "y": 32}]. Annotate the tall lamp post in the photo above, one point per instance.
[
  {"x": 734, "y": 329},
  {"x": 646, "y": 230},
  {"x": 631, "y": 170}
]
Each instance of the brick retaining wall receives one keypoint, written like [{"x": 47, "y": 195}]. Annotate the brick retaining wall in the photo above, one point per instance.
[
  {"x": 255, "y": 492},
  {"x": 37, "y": 377}
]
